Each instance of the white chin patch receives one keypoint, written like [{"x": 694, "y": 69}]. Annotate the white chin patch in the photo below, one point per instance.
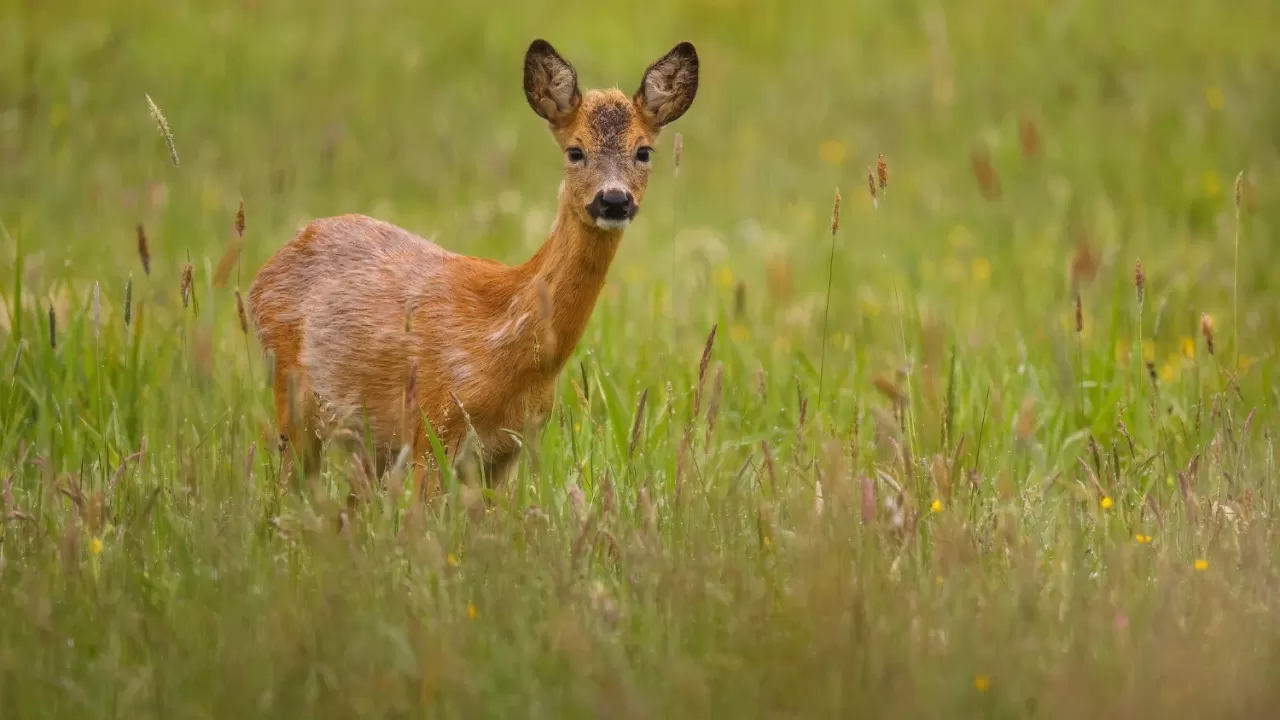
[{"x": 607, "y": 224}]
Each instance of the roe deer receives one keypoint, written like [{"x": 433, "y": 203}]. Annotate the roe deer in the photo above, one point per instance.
[{"x": 369, "y": 322}]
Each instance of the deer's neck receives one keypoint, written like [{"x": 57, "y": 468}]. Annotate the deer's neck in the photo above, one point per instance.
[{"x": 562, "y": 281}]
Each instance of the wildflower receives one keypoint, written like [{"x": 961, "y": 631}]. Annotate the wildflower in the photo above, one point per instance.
[
  {"x": 1202, "y": 565},
  {"x": 471, "y": 611},
  {"x": 937, "y": 580},
  {"x": 95, "y": 546},
  {"x": 1188, "y": 347},
  {"x": 724, "y": 277},
  {"x": 981, "y": 683},
  {"x": 1214, "y": 98},
  {"x": 1211, "y": 184},
  {"x": 981, "y": 269},
  {"x": 936, "y": 506},
  {"x": 1106, "y": 502},
  {"x": 452, "y": 560},
  {"x": 1142, "y": 539}
]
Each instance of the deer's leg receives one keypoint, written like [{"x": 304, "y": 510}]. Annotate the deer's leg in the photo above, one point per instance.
[{"x": 295, "y": 415}]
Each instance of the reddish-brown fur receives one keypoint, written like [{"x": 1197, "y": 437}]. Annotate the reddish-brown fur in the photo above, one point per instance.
[{"x": 484, "y": 341}]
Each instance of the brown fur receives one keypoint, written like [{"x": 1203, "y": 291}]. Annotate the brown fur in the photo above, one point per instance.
[{"x": 486, "y": 341}]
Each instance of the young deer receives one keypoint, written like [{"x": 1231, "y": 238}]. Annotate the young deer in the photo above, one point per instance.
[{"x": 371, "y": 326}]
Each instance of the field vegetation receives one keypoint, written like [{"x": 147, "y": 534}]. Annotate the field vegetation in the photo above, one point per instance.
[{"x": 999, "y": 445}]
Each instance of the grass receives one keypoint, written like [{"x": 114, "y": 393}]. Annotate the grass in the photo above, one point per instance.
[{"x": 1025, "y": 490}]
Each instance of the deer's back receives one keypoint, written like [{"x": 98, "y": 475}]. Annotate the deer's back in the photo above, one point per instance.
[{"x": 333, "y": 301}]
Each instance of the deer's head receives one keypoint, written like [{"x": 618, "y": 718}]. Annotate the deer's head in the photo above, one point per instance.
[{"x": 607, "y": 137}]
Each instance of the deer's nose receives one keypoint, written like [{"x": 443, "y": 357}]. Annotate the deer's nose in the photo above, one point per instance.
[{"x": 612, "y": 204}]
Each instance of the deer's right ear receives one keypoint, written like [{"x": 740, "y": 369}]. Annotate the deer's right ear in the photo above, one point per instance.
[{"x": 550, "y": 83}]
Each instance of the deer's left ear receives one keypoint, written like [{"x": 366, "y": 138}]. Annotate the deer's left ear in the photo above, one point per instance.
[{"x": 669, "y": 86}]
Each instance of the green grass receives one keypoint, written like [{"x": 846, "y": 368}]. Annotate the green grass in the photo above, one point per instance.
[{"x": 1014, "y": 519}]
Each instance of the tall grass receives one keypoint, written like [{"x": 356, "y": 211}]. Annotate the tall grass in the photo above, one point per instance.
[{"x": 982, "y": 462}]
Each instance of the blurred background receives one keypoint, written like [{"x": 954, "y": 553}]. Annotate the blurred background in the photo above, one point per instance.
[{"x": 1021, "y": 138}]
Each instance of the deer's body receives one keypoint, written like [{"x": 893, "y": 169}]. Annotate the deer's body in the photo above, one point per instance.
[{"x": 359, "y": 313}]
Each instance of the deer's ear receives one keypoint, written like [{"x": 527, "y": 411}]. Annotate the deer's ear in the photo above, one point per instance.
[
  {"x": 550, "y": 83},
  {"x": 669, "y": 86}
]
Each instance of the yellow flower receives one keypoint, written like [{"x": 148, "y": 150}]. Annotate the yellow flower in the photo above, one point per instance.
[
  {"x": 95, "y": 546},
  {"x": 1122, "y": 352},
  {"x": 937, "y": 580},
  {"x": 471, "y": 611},
  {"x": 981, "y": 270},
  {"x": 577, "y": 427},
  {"x": 832, "y": 152},
  {"x": 1106, "y": 502},
  {"x": 724, "y": 277},
  {"x": 1167, "y": 372},
  {"x": 452, "y": 560},
  {"x": 1212, "y": 184},
  {"x": 1202, "y": 565},
  {"x": 1188, "y": 347},
  {"x": 1148, "y": 351},
  {"x": 936, "y": 506},
  {"x": 1142, "y": 539},
  {"x": 738, "y": 332},
  {"x": 981, "y": 683},
  {"x": 1214, "y": 99},
  {"x": 1246, "y": 362}
]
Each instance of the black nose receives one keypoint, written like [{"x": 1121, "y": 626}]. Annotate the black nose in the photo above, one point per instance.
[{"x": 612, "y": 204}]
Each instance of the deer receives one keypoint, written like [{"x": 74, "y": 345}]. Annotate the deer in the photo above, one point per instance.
[{"x": 379, "y": 331}]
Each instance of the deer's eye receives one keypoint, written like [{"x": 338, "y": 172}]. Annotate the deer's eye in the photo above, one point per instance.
[
  {"x": 575, "y": 155},
  {"x": 643, "y": 154}
]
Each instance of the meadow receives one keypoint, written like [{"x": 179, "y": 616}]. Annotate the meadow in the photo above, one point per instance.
[{"x": 1001, "y": 445}]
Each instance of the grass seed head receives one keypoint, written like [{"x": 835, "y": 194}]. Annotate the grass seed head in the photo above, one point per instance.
[
  {"x": 984, "y": 173},
  {"x": 882, "y": 171},
  {"x": 244, "y": 319},
  {"x": 128, "y": 301},
  {"x": 144, "y": 252},
  {"x": 188, "y": 281},
  {"x": 163, "y": 125},
  {"x": 1029, "y": 136},
  {"x": 871, "y": 186},
  {"x": 637, "y": 424},
  {"x": 835, "y": 213},
  {"x": 677, "y": 150},
  {"x": 1239, "y": 189},
  {"x": 1079, "y": 315},
  {"x": 53, "y": 328},
  {"x": 1140, "y": 280},
  {"x": 240, "y": 220},
  {"x": 1206, "y": 329},
  {"x": 702, "y": 368}
]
